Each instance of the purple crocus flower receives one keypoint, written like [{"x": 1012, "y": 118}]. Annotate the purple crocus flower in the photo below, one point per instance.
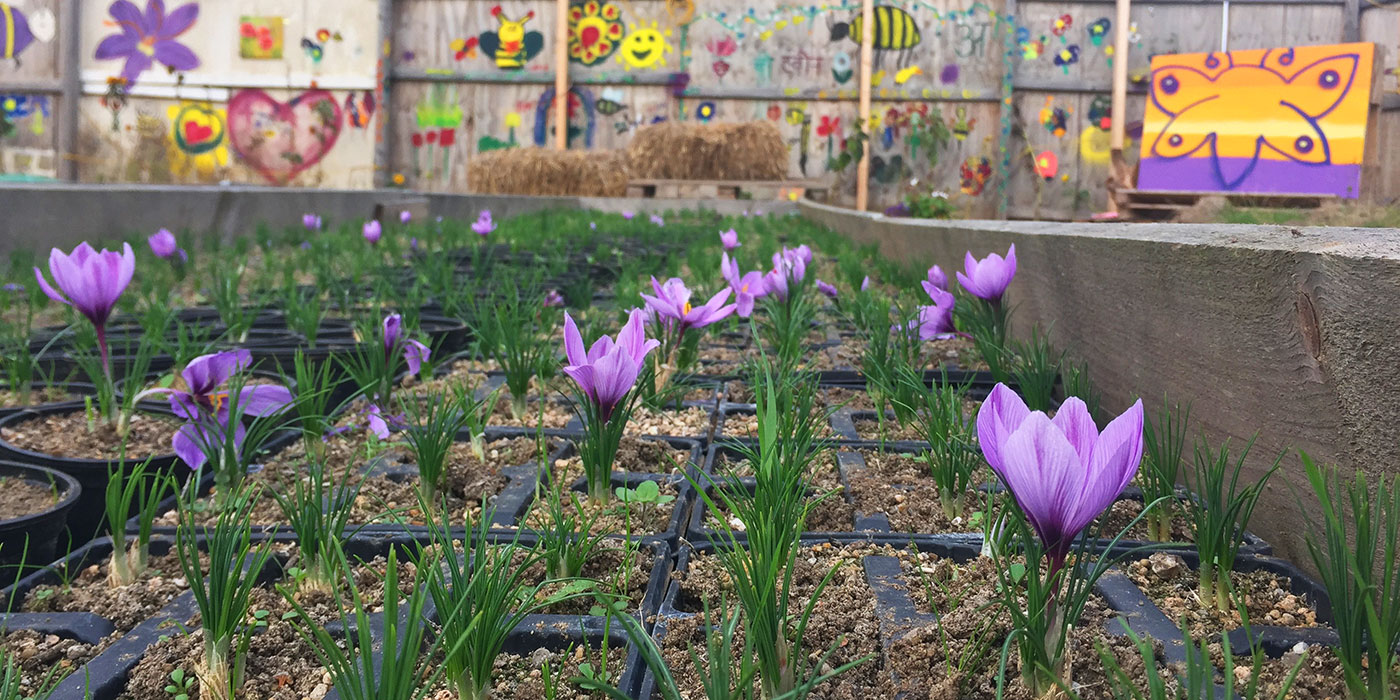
[
  {"x": 938, "y": 278},
  {"x": 405, "y": 216},
  {"x": 803, "y": 252},
  {"x": 628, "y": 215},
  {"x": 206, "y": 407},
  {"x": 414, "y": 352},
  {"x": 656, "y": 219},
  {"x": 306, "y": 245},
  {"x": 91, "y": 282},
  {"x": 484, "y": 224},
  {"x": 311, "y": 222},
  {"x": 989, "y": 277},
  {"x": 372, "y": 230},
  {"x": 788, "y": 266},
  {"x": 149, "y": 37},
  {"x": 592, "y": 226},
  {"x": 413, "y": 243},
  {"x": 607, "y": 371},
  {"x": 865, "y": 283},
  {"x": 553, "y": 299},
  {"x": 935, "y": 321},
  {"x": 374, "y": 420},
  {"x": 13, "y": 287},
  {"x": 729, "y": 239},
  {"x": 826, "y": 289},
  {"x": 1063, "y": 472},
  {"x": 672, "y": 305},
  {"x": 163, "y": 244},
  {"x": 747, "y": 287}
]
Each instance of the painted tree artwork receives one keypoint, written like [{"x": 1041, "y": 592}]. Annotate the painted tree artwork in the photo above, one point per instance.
[{"x": 1288, "y": 121}]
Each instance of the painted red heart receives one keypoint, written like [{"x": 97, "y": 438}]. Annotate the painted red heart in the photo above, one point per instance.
[
  {"x": 197, "y": 133},
  {"x": 280, "y": 140}
]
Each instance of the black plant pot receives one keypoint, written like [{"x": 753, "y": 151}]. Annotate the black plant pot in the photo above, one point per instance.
[
  {"x": 91, "y": 474},
  {"x": 33, "y": 539}
]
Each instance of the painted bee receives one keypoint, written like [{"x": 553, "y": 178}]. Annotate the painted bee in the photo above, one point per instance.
[{"x": 894, "y": 30}]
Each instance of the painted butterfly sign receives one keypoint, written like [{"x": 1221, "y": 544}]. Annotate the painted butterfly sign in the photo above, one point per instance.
[{"x": 1288, "y": 120}]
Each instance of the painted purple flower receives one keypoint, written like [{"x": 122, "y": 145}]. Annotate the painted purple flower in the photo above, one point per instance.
[
  {"x": 747, "y": 287},
  {"x": 206, "y": 407},
  {"x": 1063, "y": 472},
  {"x": 934, "y": 321},
  {"x": 553, "y": 299},
  {"x": 163, "y": 244},
  {"x": 989, "y": 277},
  {"x": 938, "y": 278},
  {"x": 311, "y": 222},
  {"x": 405, "y": 216},
  {"x": 607, "y": 371},
  {"x": 656, "y": 219},
  {"x": 671, "y": 305},
  {"x": 149, "y": 37},
  {"x": 826, "y": 289},
  {"x": 484, "y": 224},
  {"x": 91, "y": 282},
  {"x": 414, "y": 352},
  {"x": 628, "y": 215},
  {"x": 729, "y": 239},
  {"x": 372, "y": 230},
  {"x": 865, "y": 284}
]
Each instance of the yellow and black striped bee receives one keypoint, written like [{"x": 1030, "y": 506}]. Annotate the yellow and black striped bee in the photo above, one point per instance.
[{"x": 894, "y": 30}]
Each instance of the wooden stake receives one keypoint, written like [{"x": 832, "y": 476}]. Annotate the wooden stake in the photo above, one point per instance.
[
  {"x": 561, "y": 74},
  {"x": 1122, "y": 176},
  {"x": 867, "y": 53}
]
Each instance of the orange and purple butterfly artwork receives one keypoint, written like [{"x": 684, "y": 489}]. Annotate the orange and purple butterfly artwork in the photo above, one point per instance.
[{"x": 1288, "y": 121}]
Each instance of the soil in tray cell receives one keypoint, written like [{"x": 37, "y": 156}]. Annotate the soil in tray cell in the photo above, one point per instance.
[
  {"x": 68, "y": 435},
  {"x": 20, "y": 497},
  {"x": 1174, "y": 587},
  {"x": 833, "y": 514}
]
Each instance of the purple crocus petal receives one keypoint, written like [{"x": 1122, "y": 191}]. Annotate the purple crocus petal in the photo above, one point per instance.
[
  {"x": 1000, "y": 414},
  {"x": 179, "y": 20},
  {"x": 632, "y": 339},
  {"x": 714, "y": 310},
  {"x": 392, "y": 328},
  {"x": 1115, "y": 460},
  {"x": 804, "y": 253},
  {"x": 600, "y": 349},
  {"x": 743, "y": 306},
  {"x": 372, "y": 231},
  {"x": 865, "y": 283},
  {"x": 374, "y": 420},
  {"x": 184, "y": 405},
  {"x": 931, "y": 289},
  {"x": 628, "y": 215},
  {"x": 938, "y": 278},
  {"x": 1073, "y": 419},
  {"x": 826, "y": 289},
  {"x": 49, "y": 291},
  {"x": 729, "y": 269},
  {"x": 117, "y": 46},
  {"x": 189, "y": 443},
  {"x": 583, "y": 376},
  {"x": 729, "y": 239},
  {"x": 613, "y": 377},
  {"x": 206, "y": 373},
  {"x": 162, "y": 243},
  {"x": 264, "y": 399},
  {"x": 573, "y": 342},
  {"x": 176, "y": 55},
  {"x": 415, "y": 354},
  {"x": 1045, "y": 476}
]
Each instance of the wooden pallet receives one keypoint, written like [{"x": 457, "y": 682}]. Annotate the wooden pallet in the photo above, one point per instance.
[
  {"x": 724, "y": 189},
  {"x": 1166, "y": 204}
]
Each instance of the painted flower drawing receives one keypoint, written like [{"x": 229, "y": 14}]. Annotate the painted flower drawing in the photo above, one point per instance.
[{"x": 149, "y": 37}]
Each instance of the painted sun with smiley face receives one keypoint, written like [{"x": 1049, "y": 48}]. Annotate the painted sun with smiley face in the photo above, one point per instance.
[{"x": 644, "y": 47}]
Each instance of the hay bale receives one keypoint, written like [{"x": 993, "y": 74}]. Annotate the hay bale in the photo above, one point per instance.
[
  {"x": 549, "y": 172},
  {"x": 722, "y": 151}
]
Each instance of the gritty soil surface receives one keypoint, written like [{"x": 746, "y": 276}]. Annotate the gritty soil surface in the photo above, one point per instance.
[
  {"x": 1167, "y": 580},
  {"x": 870, "y": 429},
  {"x": 900, "y": 486},
  {"x": 852, "y": 399},
  {"x": 21, "y": 497},
  {"x": 44, "y": 659},
  {"x": 737, "y": 391},
  {"x": 957, "y": 655},
  {"x": 67, "y": 435},
  {"x": 951, "y": 352},
  {"x": 124, "y": 606},
  {"x": 614, "y": 516},
  {"x": 37, "y": 396},
  {"x": 557, "y": 413},
  {"x": 691, "y": 421},
  {"x": 389, "y": 493},
  {"x": 833, "y": 514},
  {"x": 844, "y": 618},
  {"x": 1123, "y": 512},
  {"x": 281, "y": 666},
  {"x": 522, "y": 677}
]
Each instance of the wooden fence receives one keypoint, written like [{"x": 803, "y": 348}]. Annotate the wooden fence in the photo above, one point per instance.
[{"x": 967, "y": 94}]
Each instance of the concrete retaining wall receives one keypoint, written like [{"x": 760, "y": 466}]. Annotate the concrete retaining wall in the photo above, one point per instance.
[
  {"x": 1293, "y": 333},
  {"x": 41, "y": 216}
]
